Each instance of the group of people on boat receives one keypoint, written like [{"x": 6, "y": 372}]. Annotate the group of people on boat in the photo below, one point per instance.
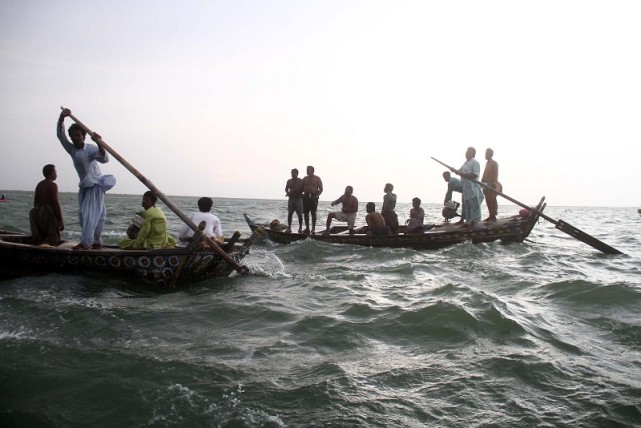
[
  {"x": 303, "y": 195},
  {"x": 149, "y": 227},
  {"x": 472, "y": 193}
]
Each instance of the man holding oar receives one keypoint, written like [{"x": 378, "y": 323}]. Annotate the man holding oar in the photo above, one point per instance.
[
  {"x": 93, "y": 184},
  {"x": 472, "y": 193}
]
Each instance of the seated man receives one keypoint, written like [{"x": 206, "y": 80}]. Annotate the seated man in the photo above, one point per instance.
[
  {"x": 417, "y": 216},
  {"x": 213, "y": 229},
  {"x": 347, "y": 212},
  {"x": 376, "y": 221},
  {"x": 153, "y": 232}
]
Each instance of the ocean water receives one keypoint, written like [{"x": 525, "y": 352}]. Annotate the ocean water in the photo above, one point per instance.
[{"x": 543, "y": 333}]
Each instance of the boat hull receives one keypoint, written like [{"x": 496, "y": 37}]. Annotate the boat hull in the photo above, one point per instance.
[
  {"x": 507, "y": 230},
  {"x": 164, "y": 268}
]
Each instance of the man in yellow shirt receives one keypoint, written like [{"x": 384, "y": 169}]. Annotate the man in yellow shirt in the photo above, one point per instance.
[{"x": 153, "y": 232}]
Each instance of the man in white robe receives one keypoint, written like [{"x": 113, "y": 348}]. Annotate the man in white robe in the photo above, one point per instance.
[
  {"x": 93, "y": 184},
  {"x": 472, "y": 192}
]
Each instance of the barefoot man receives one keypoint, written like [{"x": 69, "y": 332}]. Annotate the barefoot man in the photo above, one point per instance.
[
  {"x": 312, "y": 188},
  {"x": 294, "y": 191},
  {"x": 348, "y": 210},
  {"x": 491, "y": 178}
]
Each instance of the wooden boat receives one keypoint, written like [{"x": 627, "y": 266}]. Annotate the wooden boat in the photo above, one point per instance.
[
  {"x": 169, "y": 268},
  {"x": 434, "y": 236}
]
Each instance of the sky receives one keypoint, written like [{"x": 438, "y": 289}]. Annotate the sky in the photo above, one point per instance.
[{"x": 224, "y": 98}]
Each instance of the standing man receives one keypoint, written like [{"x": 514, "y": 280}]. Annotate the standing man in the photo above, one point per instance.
[
  {"x": 347, "y": 212},
  {"x": 491, "y": 178},
  {"x": 45, "y": 217},
  {"x": 312, "y": 188},
  {"x": 387, "y": 210},
  {"x": 294, "y": 191},
  {"x": 93, "y": 184},
  {"x": 472, "y": 194}
]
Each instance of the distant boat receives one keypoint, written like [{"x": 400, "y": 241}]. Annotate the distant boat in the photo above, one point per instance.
[{"x": 509, "y": 229}]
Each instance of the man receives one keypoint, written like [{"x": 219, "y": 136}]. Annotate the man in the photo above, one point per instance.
[
  {"x": 389, "y": 204},
  {"x": 294, "y": 191},
  {"x": 417, "y": 216},
  {"x": 347, "y": 212},
  {"x": 491, "y": 178},
  {"x": 153, "y": 231},
  {"x": 93, "y": 184},
  {"x": 45, "y": 217},
  {"x": 472, "y": 194},
  {"x": 376, "y": 221},
  {"x": 312, "y": 188},
  {"x": 213, "y": 228},
  {"x": 453, "y": 185}
]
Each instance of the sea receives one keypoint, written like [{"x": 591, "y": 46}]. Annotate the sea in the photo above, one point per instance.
[{"x": 544, "y": 333}]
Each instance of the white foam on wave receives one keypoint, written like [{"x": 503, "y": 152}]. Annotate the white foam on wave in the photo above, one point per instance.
[{"x": 15, "y": 335}]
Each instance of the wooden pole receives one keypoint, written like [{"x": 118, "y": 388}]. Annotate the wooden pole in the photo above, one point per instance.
[
  {"x": 559, "y": 224},
  {"x": 240, "y": 268}
]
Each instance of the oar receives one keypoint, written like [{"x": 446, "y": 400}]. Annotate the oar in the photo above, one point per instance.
[
  {"x": 560, "y": 224},
  {"x": 240, "y": 268}
]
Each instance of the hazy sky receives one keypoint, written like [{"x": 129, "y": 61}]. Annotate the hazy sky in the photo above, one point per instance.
[{"x": 223, "y": 98}]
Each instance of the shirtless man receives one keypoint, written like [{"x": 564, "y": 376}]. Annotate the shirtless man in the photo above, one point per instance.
[
  {"x": 45, "y": 217},
  {"x": 389, "y": 204},
  {"x": 347, "y": 212},
  {"x": 376, "y": 221},
  {"x": 491, "y": 178},
  {"x": 312, "y": 188},
  {"x": 294, "y": 191}
]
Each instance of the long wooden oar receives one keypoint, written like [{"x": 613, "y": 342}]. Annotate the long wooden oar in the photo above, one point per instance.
[
  {"x": 240, "y": 268},
  {"x": 559, "y": 224}
]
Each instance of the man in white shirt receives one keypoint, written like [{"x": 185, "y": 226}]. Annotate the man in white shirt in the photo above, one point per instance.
[
  {"x": 93, "y": 183},
  {"x": 213, "y": 229}
]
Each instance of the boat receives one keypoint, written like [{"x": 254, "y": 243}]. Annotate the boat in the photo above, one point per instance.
[
  {"x": 434, "y": 236},
  {"x": 166, "y": 268}
]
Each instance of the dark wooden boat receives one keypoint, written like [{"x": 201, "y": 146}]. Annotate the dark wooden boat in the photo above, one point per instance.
[
  {"x": 434, "y": 236},
  {"x": 168, "y": 268}
]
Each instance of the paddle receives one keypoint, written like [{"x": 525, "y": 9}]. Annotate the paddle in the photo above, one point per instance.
[
  {"x": 162, "y": 197},
  {"x": 560, "y": 224}
]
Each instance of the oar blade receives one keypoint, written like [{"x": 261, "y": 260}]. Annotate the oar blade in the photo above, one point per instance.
[{"x": 584, "y": 237}]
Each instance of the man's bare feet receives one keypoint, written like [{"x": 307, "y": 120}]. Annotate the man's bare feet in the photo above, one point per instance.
[
  {"x": 300, "y": 230},
  {"x": 288, "y": 230},
  {"x": 79, "y": 247},
  {"x": 96, "y": 247},
  {"x": 306, "y": 231}
]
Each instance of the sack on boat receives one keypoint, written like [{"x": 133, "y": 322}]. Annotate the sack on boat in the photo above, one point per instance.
[
  {"x": 449, "y": 210},
  {"x": 134, "y": 227},
  {"x": 275, "y": 225}
]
